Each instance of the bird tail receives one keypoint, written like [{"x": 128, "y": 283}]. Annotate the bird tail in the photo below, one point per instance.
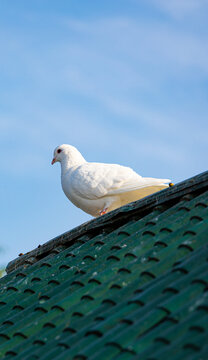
[{"x": 153, "y": 181}]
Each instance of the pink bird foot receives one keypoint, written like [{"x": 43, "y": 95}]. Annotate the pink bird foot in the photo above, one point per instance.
[{"x": 103, "y": 212}]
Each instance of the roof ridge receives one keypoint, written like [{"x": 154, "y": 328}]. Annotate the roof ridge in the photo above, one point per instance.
[{"x": 114, "y": 218}]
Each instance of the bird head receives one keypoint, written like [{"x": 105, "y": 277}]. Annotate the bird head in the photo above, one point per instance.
[
  {"x": 67, "y": 153},
  {"x": 58, "y": 154}
]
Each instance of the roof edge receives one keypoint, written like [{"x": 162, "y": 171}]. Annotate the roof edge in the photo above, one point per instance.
[{"x": 98, "y": 225}]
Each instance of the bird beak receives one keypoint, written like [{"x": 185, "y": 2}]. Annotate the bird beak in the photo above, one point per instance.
[{"x": 53, "y": 161}]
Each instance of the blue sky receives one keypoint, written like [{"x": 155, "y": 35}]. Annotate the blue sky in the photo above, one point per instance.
[{"x": 125, "y": 81}]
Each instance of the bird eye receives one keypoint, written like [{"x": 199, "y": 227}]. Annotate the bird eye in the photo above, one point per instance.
[{"x": 59, "y": 150}]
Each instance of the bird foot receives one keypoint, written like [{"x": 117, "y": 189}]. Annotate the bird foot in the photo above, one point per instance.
[{"x": 103, "y": 212}]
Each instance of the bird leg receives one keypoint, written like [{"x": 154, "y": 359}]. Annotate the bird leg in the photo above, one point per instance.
[{"x": 103, "y": 212}]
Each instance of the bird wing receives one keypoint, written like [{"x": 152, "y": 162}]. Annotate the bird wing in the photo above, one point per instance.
[{"x": 96, "y": 180}]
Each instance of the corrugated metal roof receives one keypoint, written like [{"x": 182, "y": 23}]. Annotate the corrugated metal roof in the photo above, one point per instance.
[{"x": 131, "y": 284}]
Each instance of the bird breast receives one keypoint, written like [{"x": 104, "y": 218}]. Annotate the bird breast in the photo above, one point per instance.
[{"x": 90, "y": 206}]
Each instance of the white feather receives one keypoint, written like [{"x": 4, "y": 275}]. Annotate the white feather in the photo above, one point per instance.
[{"x": 94, "y": 187}]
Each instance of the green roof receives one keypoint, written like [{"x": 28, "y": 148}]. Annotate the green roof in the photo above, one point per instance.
[{"x": 130, "y": 284}]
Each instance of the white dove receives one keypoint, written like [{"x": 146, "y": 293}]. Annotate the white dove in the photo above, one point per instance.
[{"x": 98, "y": 188}]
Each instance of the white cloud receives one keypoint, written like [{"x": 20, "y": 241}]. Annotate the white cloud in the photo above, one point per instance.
[
  {"x": 145, "y": 43},
  {"x": 111, "y": 63},
  {"x": 181, "y": 8}
]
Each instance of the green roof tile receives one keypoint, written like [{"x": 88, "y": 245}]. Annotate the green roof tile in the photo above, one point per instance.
[{"x": 131, "y": 284}]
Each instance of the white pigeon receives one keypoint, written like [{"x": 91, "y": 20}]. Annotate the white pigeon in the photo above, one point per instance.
[{"x": 98, "y": 188}]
